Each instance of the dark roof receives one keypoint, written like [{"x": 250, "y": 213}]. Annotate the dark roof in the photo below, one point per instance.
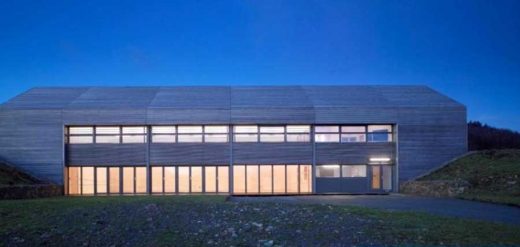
[{"x": 223, "y": 97}]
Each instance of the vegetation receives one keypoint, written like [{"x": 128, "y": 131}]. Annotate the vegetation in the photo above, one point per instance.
[
  {"x": 483, "y": 137},
  {"x": 210, "y": 220},
  {"x": 11, "y": 176},
  {"x": 493, "y": 175}
]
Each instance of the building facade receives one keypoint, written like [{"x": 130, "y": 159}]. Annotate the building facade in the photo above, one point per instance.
[{"x": 231, "y": 140}]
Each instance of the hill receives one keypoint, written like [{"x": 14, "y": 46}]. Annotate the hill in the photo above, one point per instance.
[
  {"x": 484, "y": 137},
  {"x": 11, "y": 176},
  {"x": 492, "y": 175}
]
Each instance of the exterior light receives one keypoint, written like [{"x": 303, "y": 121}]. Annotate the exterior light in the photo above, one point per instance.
[
  {"x": 383, "y": 159},
  {"x": 330, "y": 166}
]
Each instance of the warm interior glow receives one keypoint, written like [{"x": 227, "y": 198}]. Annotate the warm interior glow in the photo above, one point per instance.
[
  {"x": 140, "y": 180},
  {"x": 252, "y": 179},
  {"x": 380, "y": 159},
  {"x": 114, "y": 180},
  {"x": 184, "y": 179},
  {"x": 196, "y": 179},
  {"x": 157, "y": 180},
  {"x": 128, "y": 180},
  {"x": 223, "y": 179},
  {"x": 210, "y": 179},
  {"x": 305, "y": 178},
  {"x": 101, "y": 180},
  {"x": 279, "y": 179},
  {"x": 169, "y": 179},
  {"x": 266, "y": 179},
  {"x": 292, "y": 179},
  {"x": 74, "y": 181},
  {"x": 239, "y": 183}
]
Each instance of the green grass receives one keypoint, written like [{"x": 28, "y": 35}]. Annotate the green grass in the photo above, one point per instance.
[
  {"x": 493, "y": 175},
  {"x": 210, "y": 220}
]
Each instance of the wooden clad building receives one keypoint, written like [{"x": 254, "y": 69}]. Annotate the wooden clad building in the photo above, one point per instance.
[{"x": 237, "y": 140}]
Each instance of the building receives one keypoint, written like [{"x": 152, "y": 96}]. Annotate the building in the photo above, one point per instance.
[{"x": 252, "y": 140}]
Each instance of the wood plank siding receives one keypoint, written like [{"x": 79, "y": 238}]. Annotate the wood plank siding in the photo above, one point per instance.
[{"x": 430, "y": 127}]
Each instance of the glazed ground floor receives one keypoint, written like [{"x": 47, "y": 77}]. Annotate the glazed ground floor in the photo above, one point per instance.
[{"x": 223, "y": 179}]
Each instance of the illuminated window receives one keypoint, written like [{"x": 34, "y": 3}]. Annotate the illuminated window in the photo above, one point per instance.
[
  {"x": 101, "y": 180},
  {"x": 163, "y": 134},
  {"x": 239, "y": 175},
  {"x": 223, "y": 179},
  {"x": 298, "y": 133},
  {"x": 216, "y": 133},
  {"x": 279, "y": 179},
  {"x": 184, "y": 179},
  {"x": 266, "y": 179},
  {"x": 292, "y": 179},
  {"x": 114, "y": 180},
  {"x": 387, "y": 178},
  {"x": 210, "y": 178},
  {"x": 74, "y": 185},
  {"x": 326, "y": 134},
  {"x": 107, "y": 134},
  {"x": 169, "y": 179},
  {"x": 157, "y": 179},
  {"x": 189, "y": 133},
  {"x": 245, "y": 133},
  {"x": 140, "y": 180},
  {"x": 379, "y": 133},
  {"x": 80, "y": 135},
  {"x": 81, "y": 139},
  {"x": 327, "y": 171},
  {"x": 252, "y": 179},
  {"x": 87, "y": 180},
  {"x": 136, "y": 134},
  {"x": 305, "y": 178},
  {"x": 352, "y": 171},
  {"x": 128, "y": 180},
  {"x": 353, "y": 134},
  {"x": 196, "y": 179},
  {"x": 272, "y": 134}
]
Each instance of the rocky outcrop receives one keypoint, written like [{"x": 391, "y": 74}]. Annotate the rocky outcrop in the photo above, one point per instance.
[
  {"x": 30, "y": 191},
  {"x": 436, "y": 188}
]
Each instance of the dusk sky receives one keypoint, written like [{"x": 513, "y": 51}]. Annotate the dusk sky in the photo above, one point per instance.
[{"x": 468, "y": 50}]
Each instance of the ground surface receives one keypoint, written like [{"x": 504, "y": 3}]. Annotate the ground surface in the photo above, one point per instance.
[
  {"x": 210, "y": 220},
  {"x": 398, "y": 202},
  {"x": 11, "y": 176},
  {"x": 493, "y": 175}
]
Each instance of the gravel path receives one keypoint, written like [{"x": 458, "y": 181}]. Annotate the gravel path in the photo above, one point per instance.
[{"x": 399, "y": 202}]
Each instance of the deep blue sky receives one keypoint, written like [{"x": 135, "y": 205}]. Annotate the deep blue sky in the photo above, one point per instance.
[{"x": 469, "y": 50}]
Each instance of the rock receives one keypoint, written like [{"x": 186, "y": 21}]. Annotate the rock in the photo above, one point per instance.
[
  {"x": 266, "y": 243},
  {"x": 259, "y": 225}
]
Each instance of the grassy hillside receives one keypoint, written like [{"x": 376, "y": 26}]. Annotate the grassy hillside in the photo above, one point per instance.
[
  {"x": 11, "y": 176},
  {"x": 493, "y": 175}
]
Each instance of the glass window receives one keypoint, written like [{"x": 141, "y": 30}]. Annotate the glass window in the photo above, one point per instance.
[
  {"x": 163, "y": 129},
  {"x": 107, "y": 130},
  {"x": 107, "y": 139},
  {"x": 74, "y": 181},
  {"x": 114, "y": 180},
  {"x": 101, "y": 180},
  {"x": 292, "y": 179},
  {"x": 327, "y": 171},
  {"x": 358, "y": 137},
  {"x": 87, "y": 180},
  {"x": 140, "y": 180},
  {"x": 157, "y": 179},
  {"x": 134, "y": 130},
  {"x": 81, "y": 139},
  {"x": 353, "y": 129},
  {"x": 81, "y": 130},
  {"x": 216, "y": 138},
  {"x": 128, "y": 180},
  {"x": 210, "y": 178},
  {"x": 279, "y": 179},
  {"x": 380, "y": 128},
  {"x": 305, "y": 178},
  {"x": 196, "y": 179},
  {"x": 134, "y": 138},
  {"x": 376, "y": 177},
  {"x": 169, "y": 179},
  {"x": 163, "y": 138},
  {"x": 246, "y": 137},
  {"x": 252, "y": 179},
  {"x": 326, "y": 137},
  {"x": 190, "y": 138},
  {"x": 298, "y": 128},
  {"x": 266, "y": 179},
  {"x": 352, "y": 171},
  {"x": 387, "y": 178},
  {"x": 326, "y": 129},
  {"x": 245, "y": 129},
  {"x": 272, "y": 137},
  {"x": 272, "y": 129},
  {"x": 298, "y": 138},
  {"x": 184, "y": 179},
  {"x": 216, "y": 129},
  {"x": 223, "y": 179},
  {"x": 379, "y": 133},
  {"x": 196, "y": 129},
  {"x": 239, "y": 182}
]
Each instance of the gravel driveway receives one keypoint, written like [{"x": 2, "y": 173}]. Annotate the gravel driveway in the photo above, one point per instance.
[{"x": 399, "y": 202}]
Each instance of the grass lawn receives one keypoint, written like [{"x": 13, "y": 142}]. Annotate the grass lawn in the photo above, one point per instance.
[
  {"x": 493, "y": 175},
  {"x": 210, "y": 220}
]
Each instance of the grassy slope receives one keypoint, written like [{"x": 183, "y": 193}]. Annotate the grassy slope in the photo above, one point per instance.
[
  {"x": 206, "y": 220},
  {"x": 11, "y": 176},
  {"x": 494, "y": 175}
]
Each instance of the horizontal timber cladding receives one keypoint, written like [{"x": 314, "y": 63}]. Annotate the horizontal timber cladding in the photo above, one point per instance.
[
  {"x": 165, "y": 116},
  {"x": 274, "y": 115},
  {"x": 272, "y": 153},
  {"x": 33, "y": 141},
  {"x": 346, "y": 185},
  {"x": 189, "y": 153},
  {"x": 353, "y": 153},
  {"x": 104, "y": 116},
  {"x": 106, "y": 154}
]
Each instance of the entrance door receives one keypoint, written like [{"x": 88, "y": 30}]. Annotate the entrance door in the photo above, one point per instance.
[{"x": 381, "y": 178}]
